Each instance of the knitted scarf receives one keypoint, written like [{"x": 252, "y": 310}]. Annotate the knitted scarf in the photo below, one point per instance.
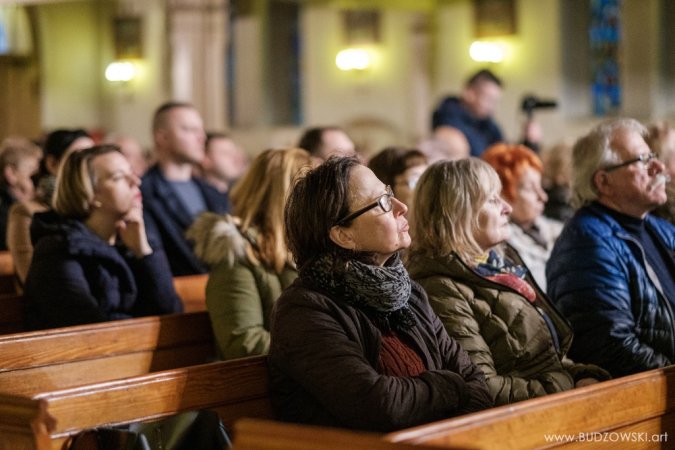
[{"x": 381, "y": 292}]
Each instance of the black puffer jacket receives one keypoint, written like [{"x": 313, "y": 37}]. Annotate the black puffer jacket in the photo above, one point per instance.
[
  {"x": 323, "y": 360},
  {"x": 76, "y": 278}
]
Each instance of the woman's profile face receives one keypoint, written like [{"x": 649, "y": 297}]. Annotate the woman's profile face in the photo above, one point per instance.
[
  {"x": 116, "y": 186},
  {"x": 529, "y": 199},
  {"x": 493, "y": 222},
  {"x": 377, "y": 231}
]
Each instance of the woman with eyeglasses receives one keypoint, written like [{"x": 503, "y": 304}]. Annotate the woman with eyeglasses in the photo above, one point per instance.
[
  {"x": 482, "y": 291},
  {"x": 354, "y": 342},
  {"x": 399, "y": 168},
  {"x": 92, "y": 260}
]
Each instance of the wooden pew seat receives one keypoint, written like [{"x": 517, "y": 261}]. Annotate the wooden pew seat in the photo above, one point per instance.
[
  {"x": 39, "y": 361},
  {"x": 641, "y": 403}
]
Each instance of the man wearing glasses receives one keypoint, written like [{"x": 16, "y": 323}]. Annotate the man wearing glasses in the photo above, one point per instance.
[{"x": 612, "y": 270}]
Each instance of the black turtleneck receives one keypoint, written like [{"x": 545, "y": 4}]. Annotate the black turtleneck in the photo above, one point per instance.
[{"x": 656, "y": 252}]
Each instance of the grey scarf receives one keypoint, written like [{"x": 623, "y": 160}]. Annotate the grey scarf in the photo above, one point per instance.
[{"x": 381, "y": 292}]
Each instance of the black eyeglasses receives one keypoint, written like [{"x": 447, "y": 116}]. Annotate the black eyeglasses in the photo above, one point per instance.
[
  {"x": 646, "y": 161},
  {"x": 383, "y": 202}
]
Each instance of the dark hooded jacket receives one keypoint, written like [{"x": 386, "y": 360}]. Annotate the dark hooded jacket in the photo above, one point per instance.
[
  {"x": 77, "y": 278},
  {"x": 323, "y": 359}
]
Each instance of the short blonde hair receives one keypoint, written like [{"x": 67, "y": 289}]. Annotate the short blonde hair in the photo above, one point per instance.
[
  {"x": 76, "y": 182},
  {"x": 259, "y": 199},
  {"x": 448, "y": 198}
]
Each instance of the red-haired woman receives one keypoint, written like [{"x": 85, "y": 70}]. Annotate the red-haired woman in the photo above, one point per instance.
[{"x": 532, "y": 234}]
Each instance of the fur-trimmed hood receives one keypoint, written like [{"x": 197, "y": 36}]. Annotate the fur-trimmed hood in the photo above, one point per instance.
[{"x": 217, "y": 239}]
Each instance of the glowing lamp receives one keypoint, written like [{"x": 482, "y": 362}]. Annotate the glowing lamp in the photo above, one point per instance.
[
  {"x": 486, "y": 52},
  {"x": 352, "y": 59},
  {"x": 120, "y": 71}
]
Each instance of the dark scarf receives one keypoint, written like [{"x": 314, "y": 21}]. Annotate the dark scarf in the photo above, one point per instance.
[{"x": 381, "y": 292}]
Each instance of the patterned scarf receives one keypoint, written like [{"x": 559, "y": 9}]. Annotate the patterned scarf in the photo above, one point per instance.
[
  {"x": 381, "y": 292},
  {"x": 494, "y": 268}
]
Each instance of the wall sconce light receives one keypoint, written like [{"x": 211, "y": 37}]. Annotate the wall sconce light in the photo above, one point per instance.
[
  {"x": 352, "y": 59},
  {"x": 486, "y": 52},
  {"x": 120, "y": 71}
]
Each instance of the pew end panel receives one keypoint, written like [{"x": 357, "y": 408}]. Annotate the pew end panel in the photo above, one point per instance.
[{"x": 25, "y": 424}]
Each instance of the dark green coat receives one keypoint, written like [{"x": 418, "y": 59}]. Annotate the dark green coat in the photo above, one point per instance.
[
  {"x": 241, "y": 291},
  {"x": 504, "y": 334}
]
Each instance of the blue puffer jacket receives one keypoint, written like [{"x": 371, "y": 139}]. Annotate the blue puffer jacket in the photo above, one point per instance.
[{"x": 599, "y": 278}]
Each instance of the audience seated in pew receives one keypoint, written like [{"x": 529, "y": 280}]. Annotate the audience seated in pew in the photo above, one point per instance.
[
  {"x": 324, "y": 142},
  {"x": 612, "y": 272},
  {"x": 250, "y": 264},
  {"x": 58, "y": 144},
  {"x": 354, "y": 342},
  {"x": 399, "y": 168},
  {"x": 172, "y": 197},
  {"x": 19, "y": 161},
  {"x": 532, "y": 235},
  {"x": 93, "y": 262},
  {"x": 224, "y": 162},
  {"x": 661, "y": 139},
  {"x": 487, "y": 298}
]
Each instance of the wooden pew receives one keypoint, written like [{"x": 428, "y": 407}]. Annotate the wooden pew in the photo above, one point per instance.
[
  {"x": 65, "y": 357},
  {"x": 7, "y": 278},
  {"x": 605, "y": 414},
  {"x": 191, "y": 289},
  {"x": 235, "y": 389},
  {"x": 256, "y": 434},
  {"x": 11, "y": 313}
]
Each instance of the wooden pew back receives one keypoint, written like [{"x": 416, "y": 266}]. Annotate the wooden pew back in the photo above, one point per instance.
[
  {"x": 191, "y": 289},
  {"x": 256, "y": 434},
  {"x": 8, "y": 283},
  {"x": 599, "y": 416},
  {"x": 234, "y": 389},
  {"x": 39, "y": 361}
]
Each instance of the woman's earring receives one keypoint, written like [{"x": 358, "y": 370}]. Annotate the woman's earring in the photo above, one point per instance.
[{"x": 96, "y": 204}]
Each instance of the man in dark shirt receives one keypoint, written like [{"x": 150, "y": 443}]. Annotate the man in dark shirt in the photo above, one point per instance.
[
  {"x": 172, "y": 197},
  {"x": 612, "y": 271},
  {"x": 472, "y": 113}
]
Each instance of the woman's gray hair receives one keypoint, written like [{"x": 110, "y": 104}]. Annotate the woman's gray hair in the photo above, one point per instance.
[{"x": 592, "y": 153}]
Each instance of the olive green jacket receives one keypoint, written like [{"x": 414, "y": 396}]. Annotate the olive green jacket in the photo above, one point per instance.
[
  {"x": 505, "y": 335},
  {"x": 241, "y": 291}
]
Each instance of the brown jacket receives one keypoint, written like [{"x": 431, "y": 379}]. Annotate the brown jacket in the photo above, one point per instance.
[
  {"x": 504, "y": 334},
  {"x": 323, "y": 360}
]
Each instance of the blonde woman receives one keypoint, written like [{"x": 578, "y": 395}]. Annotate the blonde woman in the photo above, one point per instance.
[
  {"x": 250, "y": 264},
  {"x": 92, "y": 260},
  {"x": 486, "y": 299}
]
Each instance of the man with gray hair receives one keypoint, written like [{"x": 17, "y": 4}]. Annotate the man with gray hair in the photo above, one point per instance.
[{"x": 612, "y": 270}]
